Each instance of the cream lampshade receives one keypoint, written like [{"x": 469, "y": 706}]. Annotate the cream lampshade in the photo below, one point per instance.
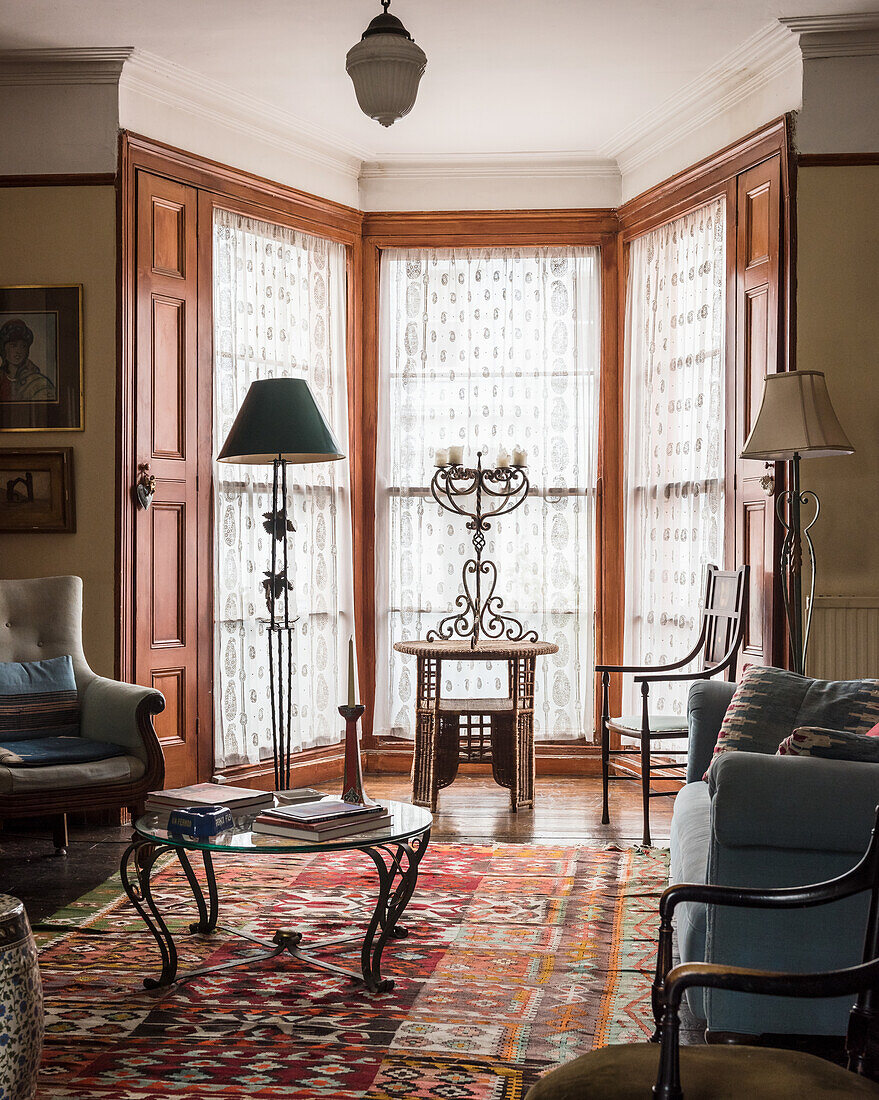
[
  {"x": 796, "y": 420},
  {"x": 796, "y": 417}
]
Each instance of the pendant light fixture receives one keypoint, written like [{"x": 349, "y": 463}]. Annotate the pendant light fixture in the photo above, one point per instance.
[{"x": 385, "y": 67}]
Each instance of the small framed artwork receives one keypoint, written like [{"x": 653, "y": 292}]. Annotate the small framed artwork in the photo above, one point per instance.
[
  {"x": 41, "y": 358},
  {"x": 36, "y": 489}
]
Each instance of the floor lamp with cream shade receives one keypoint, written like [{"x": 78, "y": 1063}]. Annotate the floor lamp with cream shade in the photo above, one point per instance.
[{"x": 796, "y": 420}]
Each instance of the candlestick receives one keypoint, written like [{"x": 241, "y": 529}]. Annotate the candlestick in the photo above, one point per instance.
[
  {"x": 520, "y": 457},
  {"x": 352, "y": 695},
  {"x": 352, "y": 780},
  {"x": 441, "y": 457},
  {"x": 456, "y": 455}
]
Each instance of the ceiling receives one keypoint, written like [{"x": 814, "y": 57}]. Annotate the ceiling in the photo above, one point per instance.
[{"x": 503, "y": 76}]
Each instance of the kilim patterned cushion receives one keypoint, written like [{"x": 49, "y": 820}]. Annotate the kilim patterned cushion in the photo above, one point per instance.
[
  {"x": 38, "y": 699},
  {"x": 770, "y": 703},
  {"x": 830, "y": 745}
]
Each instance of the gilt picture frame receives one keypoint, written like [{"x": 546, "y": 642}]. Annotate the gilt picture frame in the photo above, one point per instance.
[
  {"x": 36, "y": 490},
  {"x": 41, "y": 358}
]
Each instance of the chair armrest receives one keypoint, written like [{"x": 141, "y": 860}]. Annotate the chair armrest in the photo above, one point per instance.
[
  {"x": 707, "y": 702},
  {"x": 123, "y": 714},
  {"x": 794, "y": 802}
]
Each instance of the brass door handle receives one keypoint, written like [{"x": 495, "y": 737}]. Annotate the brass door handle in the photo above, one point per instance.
[{"x": 145, "y": 487}]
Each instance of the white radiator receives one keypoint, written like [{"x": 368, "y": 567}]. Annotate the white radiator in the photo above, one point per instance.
[{"x": 844, "y": 643}]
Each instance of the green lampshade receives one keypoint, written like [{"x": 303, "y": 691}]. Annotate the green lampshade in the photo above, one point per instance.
[{"x": 279, "y": 418}]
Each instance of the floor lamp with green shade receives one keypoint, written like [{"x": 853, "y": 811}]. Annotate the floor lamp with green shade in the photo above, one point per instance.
[
  {"x": 796, "y": 420},
  {"x": 279, "y": 422}
]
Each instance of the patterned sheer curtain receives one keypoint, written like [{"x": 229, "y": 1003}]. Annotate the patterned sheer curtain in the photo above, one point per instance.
[
  {"x": 279, "y": 310},
  {"x": 489, "y": 348},
  {"x": 675, "y": 312}
]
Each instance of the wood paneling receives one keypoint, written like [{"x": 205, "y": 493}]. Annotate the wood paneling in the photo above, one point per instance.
[
  {"x": 61, "y": 179},
  {"x": 837, "y": 160},
  {"x": 701, "y": 182},
  {"x": 165, "y": 431},
  {"x": 166, "y": 203},
  {"x": 168, "y": 238},
  {"x": 760, "y": 350},
  {"x": 172, "y": 722}
]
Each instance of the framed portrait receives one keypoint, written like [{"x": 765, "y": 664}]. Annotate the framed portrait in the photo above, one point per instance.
[
  {"x": 41, "y": 358},
  {"x": 36, "y": 489}
]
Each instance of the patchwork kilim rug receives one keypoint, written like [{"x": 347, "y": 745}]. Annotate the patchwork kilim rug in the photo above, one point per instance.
[{"x": 518, "y": 958}]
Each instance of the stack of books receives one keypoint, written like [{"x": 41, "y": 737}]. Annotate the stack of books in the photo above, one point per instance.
[
  {"x": 240, "y": 800},
  {"x": 324, "y": 820}
]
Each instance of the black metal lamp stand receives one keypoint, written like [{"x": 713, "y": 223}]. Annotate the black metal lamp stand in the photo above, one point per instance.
[{"x": 792, "y": 564}]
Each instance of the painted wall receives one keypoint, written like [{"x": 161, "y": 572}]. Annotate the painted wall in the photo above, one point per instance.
[
  {"x": 68, "y": 235},
  {"x": 59, "y": 128},
  {"x": 838, "y": 333}
]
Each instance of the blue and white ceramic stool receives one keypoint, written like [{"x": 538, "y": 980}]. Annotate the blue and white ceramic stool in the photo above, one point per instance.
[{"x": 21, "y": 1004}]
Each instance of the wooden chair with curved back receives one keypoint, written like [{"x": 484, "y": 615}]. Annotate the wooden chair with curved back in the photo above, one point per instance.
[
  {"x": 721, "y": 632},
  {"x": 664, "y": 1069}
]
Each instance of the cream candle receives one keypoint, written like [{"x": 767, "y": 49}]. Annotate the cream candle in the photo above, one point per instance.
[
  {"x": 520, "y": 457},
  {"x": 503, "y": 459},
  {"x": 352, "y": 694},
  {"x": 456, "y": 455},
  {"x": 441, "y": 457}
]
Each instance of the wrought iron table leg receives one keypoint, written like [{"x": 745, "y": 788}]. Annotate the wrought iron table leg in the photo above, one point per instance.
[
  {"x": 207, "y": 917},
  {"x": 140, "y": 856},
  {"x": 390, "y": 905}
]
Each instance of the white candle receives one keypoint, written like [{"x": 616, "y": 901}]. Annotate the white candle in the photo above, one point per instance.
[
  {"x": 503, "y": 459},
  {"x": 520, "y": 457},
  {"x": 352, "y": 695},
  {"x": 456, "y": 455},
  {"x": 441, "y": 457}
]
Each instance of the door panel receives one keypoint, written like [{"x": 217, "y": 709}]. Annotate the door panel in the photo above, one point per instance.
[
  {"x": 758, "y": 323},
  {"x": 166, "y": 577}
]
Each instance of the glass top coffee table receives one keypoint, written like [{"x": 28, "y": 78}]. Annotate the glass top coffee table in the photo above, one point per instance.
[{"x": 396, "y": 850}]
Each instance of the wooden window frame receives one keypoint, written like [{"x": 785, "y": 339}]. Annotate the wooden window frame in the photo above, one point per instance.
[
  {"x": 488, "y": 229},
  {"x": 364, "y": 236}
]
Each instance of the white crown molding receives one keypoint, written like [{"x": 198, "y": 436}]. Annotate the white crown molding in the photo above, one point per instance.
[
  {"x": 183, "y": 90},
  {"x": 490, "y": 166},
  {"x": 762, "y": 58},
  {"x": 93, "y": 65},
  {"x": 849, "y": 35}
]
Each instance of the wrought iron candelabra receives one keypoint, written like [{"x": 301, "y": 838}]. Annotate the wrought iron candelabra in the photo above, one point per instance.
[{"x": 481, "y": 495}]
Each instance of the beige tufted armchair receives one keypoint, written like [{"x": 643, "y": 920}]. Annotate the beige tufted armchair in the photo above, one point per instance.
[{"x": 42, "y": 618}]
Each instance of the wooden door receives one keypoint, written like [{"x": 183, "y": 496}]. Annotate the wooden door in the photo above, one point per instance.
[
  {"x": 758, "y": 352},
  {"x": 165, "y": 437}
]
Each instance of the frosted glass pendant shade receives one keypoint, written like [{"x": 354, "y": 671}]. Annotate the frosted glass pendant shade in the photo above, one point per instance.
[{"x": 386, "y": 67}]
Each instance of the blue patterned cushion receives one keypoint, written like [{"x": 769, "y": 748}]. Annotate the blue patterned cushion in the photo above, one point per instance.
[
  {"x": 770, "y": 703},
  {"x": 38, "y": 699},
  {"x": 43, "y": 751},
  {"x": 830, "y": 745}
]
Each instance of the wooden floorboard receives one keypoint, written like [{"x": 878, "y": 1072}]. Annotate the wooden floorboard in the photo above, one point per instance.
[{"x": 473, "y": 809}]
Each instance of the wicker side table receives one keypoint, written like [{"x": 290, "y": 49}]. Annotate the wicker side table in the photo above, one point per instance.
[{"x": 511, "y": 720}]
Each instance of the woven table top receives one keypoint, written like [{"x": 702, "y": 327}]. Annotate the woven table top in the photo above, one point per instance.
[{"x": 487, "y": 649}]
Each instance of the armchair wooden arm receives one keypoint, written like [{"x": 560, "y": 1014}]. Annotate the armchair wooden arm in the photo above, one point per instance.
[{"x": 670, "y": 984}]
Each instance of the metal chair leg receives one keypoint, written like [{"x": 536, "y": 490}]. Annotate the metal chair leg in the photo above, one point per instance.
[
  {"x": 605, "y": 746},
  {"x": 645, "y": 764}
]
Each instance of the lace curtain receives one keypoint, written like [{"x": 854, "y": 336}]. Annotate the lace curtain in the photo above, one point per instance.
[
  {"x": 489, "y": 348},
  {"x": 279, "y": 310},
  {"x": 675, "y": 311}
]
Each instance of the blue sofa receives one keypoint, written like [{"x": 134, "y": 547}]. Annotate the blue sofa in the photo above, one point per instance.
[{"x": 766, "y": 820}]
